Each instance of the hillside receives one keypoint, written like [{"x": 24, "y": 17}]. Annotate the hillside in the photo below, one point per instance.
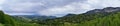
[
  {"x": 6, "y": 20},
  {"x": 110, "y": 20},
  {"x": 108, "y": 16}
]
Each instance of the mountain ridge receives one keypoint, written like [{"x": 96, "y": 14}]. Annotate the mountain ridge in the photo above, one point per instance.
[{"x": 104, "y": 10}]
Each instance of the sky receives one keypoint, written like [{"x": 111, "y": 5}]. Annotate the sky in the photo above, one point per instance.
[{"x": 53, "y": 7}]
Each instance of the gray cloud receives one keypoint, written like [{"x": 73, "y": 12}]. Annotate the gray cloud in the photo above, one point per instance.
[
  {"x": 55, "y": 7},
  {"x": 33, "y": 6}
]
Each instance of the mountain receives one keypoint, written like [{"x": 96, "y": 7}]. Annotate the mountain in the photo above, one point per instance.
[
  {"x": 34, "y": 17},
  {"x": 104, "y": 10},
  {"x": 108, "y": 16}
]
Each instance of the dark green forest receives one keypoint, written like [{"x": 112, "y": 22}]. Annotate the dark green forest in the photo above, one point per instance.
[{"x": 85, "y": 19}]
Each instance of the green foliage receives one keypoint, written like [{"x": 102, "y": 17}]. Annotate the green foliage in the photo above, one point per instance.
[
  {"x": 2, "y": 17},
  {"x": 10, "y": 21},
  {"x": 110, "y": 20},
  {"x": 6, "y": 19}
]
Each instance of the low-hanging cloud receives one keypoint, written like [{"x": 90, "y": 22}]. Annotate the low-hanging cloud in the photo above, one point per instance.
[
  {"x": 55, "y": 7},
  {"x": 75, "y": 8}
]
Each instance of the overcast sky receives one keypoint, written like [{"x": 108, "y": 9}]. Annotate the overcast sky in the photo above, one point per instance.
[{"x": 53, "y": 7}]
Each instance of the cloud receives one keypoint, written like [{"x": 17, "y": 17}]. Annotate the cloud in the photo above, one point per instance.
[
  {"x": 28, "y": 5},
  {"x": 21, "y": 7},
  {"x": 75, "y": 8},
  {"x": 80, "y": 7},
  {"x": 0, "y": 8},
  {"x": 20, "y": 13},
  {"x": 1, "y": 1},
  {"x": 33, "y": 6},
  {"x": 55, "y": 7},
  {"x": 103, "y": 3}
]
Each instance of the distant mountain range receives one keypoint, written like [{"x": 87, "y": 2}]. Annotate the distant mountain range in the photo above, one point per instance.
[
  {"x": 90, "y": 15},
  {"x": 104, "y": 10},
  {"x": 34, "y": 17}
]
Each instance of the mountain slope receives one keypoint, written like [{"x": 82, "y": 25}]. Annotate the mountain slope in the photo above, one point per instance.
[
  {"x": 6, "y": 19},
  {"x": 111, "y": 20},
  {"x": 91, "y": 17}
]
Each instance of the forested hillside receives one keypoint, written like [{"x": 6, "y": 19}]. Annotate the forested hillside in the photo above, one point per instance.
[
  {"x": 97, "y": 17},
  {"x": 6, "y": 20}
]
